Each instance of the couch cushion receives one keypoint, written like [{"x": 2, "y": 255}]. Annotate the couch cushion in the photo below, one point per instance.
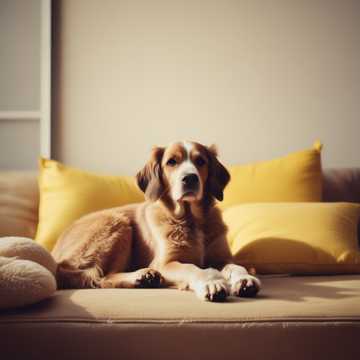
[
  {"x": 342, "y": 184},
  {"x": 282, "y": 299},
  {"x": 293, "y": 317}
]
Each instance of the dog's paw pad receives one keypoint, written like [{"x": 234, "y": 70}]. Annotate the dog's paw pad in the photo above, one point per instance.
[
  {"x": 213, "y": 290},
  {"x": 219, "y": 296},
  {"x": 248, "y": 291},
  {"x": 149, "y": 279},
  {"x": 247, "y": 287}
]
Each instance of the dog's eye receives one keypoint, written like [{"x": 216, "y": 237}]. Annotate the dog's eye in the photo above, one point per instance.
[
  {"x": 200, "y": 161},
  {"x": 171, "y": 162}
]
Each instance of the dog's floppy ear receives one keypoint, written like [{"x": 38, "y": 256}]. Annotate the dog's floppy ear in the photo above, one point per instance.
[
  {"x": 149, "y": 178},
  {"x": 218, "y": 175}
]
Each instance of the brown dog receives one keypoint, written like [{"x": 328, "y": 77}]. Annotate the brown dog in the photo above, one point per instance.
[{"x": 175, "y": 238}]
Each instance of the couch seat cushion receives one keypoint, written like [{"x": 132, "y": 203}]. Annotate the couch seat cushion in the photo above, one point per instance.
[
  {"x": 282, "y": 299},
  {"x": 292, "y": 311}
]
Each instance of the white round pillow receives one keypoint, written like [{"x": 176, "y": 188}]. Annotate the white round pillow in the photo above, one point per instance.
[
  {"x": 26, "y": 272},
  {"x": 27, "y": 249}
]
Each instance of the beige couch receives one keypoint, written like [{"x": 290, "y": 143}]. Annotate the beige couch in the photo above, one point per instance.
[{"x": 313, "y": 317}]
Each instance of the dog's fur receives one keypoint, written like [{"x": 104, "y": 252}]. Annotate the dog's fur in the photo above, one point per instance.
[{"x": 175, "y": 238}]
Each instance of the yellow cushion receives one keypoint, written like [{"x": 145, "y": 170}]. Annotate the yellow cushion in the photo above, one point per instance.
[
  {"x": 296, "y": 177},
  {"x": 300, "y": 238},
  {"x": 67, "y": 193}
]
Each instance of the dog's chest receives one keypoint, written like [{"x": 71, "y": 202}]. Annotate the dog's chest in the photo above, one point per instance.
[
  {"x": 178, "y": 241},
  {"x": 183, "y": 235}
]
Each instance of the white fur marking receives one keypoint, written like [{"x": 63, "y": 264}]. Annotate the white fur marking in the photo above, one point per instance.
[
  {"x": 208, "y": 283},
  {"x": 235, "y": 274},
  {"x": 187, "y": 167},
  {"x": 188, "y": 147}
]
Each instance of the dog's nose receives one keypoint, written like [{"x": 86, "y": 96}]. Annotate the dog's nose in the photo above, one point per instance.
[{"x": 190, "y": 180}]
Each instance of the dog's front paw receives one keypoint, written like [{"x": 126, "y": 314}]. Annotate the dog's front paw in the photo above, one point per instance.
[
  {"x": 211, "y": 286},
  {"x": 213, "y": 290},
  {"x": 245, "y": 286},
  {"x": 148, "y": 278}
]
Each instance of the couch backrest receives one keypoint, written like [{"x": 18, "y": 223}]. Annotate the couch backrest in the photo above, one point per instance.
[
  {"x": 19, "y": 197},
  {"x": 341, "y": 185},
  {"x": 19, "y": 201}
]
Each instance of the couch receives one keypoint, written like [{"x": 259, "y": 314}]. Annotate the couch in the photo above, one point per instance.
[{"x": 293, "y": 317}]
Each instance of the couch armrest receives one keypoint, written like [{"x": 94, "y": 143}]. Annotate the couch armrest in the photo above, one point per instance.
[{"x": 19, "y": 201}]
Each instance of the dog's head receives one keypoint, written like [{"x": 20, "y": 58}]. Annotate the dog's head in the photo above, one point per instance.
[{"x": 184, "y": 172}]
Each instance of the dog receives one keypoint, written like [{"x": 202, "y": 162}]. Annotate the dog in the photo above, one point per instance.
[{"x": 175, "y": 238}]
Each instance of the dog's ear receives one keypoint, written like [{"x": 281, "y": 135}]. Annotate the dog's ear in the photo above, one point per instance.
[
  {"x": 149, "y": 178},
  {"x": 218, "y": 176}
]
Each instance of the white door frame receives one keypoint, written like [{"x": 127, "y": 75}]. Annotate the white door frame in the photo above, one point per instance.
[
  {"x": 45, "y": 87},
  {"x": 44, "y": 113}
]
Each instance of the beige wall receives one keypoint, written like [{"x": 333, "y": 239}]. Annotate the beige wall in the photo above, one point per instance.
[
  {"x": 259, "y": 78},
  {"x": 20, "y": 53}
]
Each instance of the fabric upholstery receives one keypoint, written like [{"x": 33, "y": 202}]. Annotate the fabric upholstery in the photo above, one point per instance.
[
  {"x": 19, "y": 199},
  {"x": 293, "y": 317},
  {"x": 342, "y": 185}
]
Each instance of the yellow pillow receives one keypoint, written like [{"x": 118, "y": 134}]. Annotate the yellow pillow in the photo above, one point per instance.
[
  {"x": 67, "y": 193},
  {"x": 296, "y": 177},
  {"x": 299, "y": 238}
]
